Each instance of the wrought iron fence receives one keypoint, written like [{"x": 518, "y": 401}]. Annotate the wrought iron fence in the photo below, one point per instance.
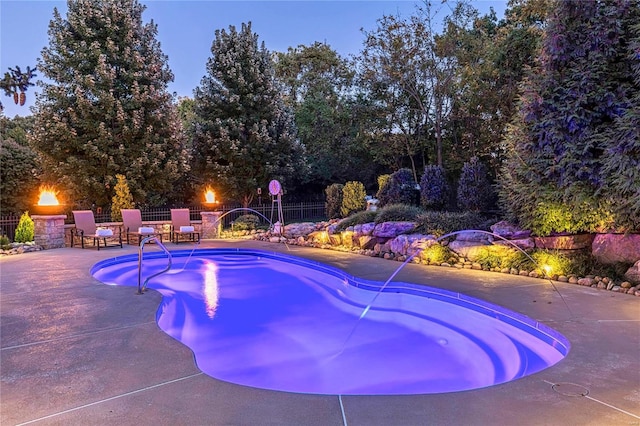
[
  {"x": 291, "y": 212},
  {"x": 8, "y": 225}
]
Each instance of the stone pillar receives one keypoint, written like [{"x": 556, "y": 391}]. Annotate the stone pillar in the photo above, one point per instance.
[
  {"x": 49, "y": 230},
  {"x": 211, "y": 225}
]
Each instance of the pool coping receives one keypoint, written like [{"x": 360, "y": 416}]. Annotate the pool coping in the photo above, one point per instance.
[{"x": 74, "y": 351}]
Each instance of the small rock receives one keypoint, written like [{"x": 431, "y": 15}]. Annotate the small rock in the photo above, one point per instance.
[{"x": 587, "y": 282}]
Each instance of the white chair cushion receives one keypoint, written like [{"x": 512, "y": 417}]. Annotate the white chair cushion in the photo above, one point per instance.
[
  {"x": 186, "y": 229},
  {"x": 146, "y": 230},
  {"x": 104, "y": 233}
]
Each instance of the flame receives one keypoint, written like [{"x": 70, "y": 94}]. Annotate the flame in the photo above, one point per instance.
[
  {"x": 210, "y": 196},
  {"x": 48, "y": 197}
]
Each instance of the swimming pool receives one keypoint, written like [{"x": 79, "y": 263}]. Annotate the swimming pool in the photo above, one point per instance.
[{"x": 280, "y": 322}]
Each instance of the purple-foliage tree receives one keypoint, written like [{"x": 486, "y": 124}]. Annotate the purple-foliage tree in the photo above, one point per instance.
[
  {"x": 581, "y": 86},
  {"x": 400, "y": 188},
  {"x": 474, "y": 188},
  {"x": 434, "y": 189}
]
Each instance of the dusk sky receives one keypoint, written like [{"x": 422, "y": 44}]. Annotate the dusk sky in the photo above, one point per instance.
[{"x": 186, "y": 30}]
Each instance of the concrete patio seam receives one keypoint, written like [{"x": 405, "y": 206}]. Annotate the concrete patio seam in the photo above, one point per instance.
[
  {"x": 157, "y": 385},
  {"x": 73, "y": 336}
]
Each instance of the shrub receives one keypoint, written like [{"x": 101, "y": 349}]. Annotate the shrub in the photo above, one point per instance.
[
  {"x": 434, "y": 190},
  {"x": 399, "y": 189},
  {"x": 382, "y": 181},
  {"x": 437, "y": 254},
  {"x": 334, "y": 200},
  {"x": 489, "y": 259},
  {"x": 353, "y": 198},
  {"x": 550, "y": 217},
  {"x": 122, "y": 198},
  {"x": 4, "y": 242},
  {"x": 552, "y": 263},
  {"x": 398, "y": 212},
  {"x": 25, "y": 231},
  {"x": 442, "y": 223},
  {"x": 247, "y": 222},
  {"x": 474, "y": 190},
  {"x": 359, "y": 218}
]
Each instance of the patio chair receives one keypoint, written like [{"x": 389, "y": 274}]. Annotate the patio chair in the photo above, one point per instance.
[
  {"x": 86, "y": 228},
  {"x": 181, "y": 227},
  {"x": 133, "y": 228}
]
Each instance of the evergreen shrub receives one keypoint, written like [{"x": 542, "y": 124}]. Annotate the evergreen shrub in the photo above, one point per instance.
[
  {"x": 353, "y": 198},
  {"x": 434, "y": 190},
  {"x": 122, "y": 198},
  {"x": 334, "y": 200},
  {"x": 474, "y": 189},
  {"x": 25, "y": 231},
  {"x": 4, "y": 242},
  {"x": 400, "y": 188},
  {"x": 246, "y": 222},
  {"x": 382, "y": 181}
]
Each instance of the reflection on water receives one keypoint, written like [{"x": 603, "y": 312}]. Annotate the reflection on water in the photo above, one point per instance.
[{"x": 210, "y": 288}]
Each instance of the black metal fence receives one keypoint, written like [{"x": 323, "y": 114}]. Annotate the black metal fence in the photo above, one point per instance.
[
  {"x": 268, "y": 212},
  {"x": 8, "y": 225}
]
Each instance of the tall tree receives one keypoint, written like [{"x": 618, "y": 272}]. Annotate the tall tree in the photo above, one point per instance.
[
  {"x": 105, "y": 108},
  {"x": 410, "y": 84},
  {"x": 244, "y": 135},
  {"x": 621, "y": 163},
  {"x": 20, "y": 171},
  {"x": 579, "y": 92},
  {"x": 320, "y": 89}
]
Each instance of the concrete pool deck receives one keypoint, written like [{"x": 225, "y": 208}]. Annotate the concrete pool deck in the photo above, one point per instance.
[{"x": 77, "y": 352}]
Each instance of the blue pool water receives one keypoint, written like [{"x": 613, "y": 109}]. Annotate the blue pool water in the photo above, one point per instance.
[{"x": 280, "y": 322}]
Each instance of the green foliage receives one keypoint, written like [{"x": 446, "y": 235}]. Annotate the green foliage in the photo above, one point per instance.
[
  {"x": 353, "y": 198},
  {"x": 398, "y": 213},
  {"x": 555, "y": 217},
  {"x": 359, "y": 218},
  {"x": 400, "y": 188},
  {"x": 245, "y": 135},
  {"x": 382, "y": 181},
  {"x": 552, "y": 263},
  {"x": 441, "y": 223},
  {"x": 490, "y": 259},
  {"x": 518, "y": 260},
  {"x": 474, "y": 189},
  {"x": 434, "y": 190},
  {"x": 4, "y": 242},
  {"x": 437, "y": 254},
  {"x": 25, "y": 230},
  {"x": 620, "y": 164},
  {"x": 575, "y": 135},
  {"x": 318, "y": 84},
  {"x": 16, "y": 80},
  {"x": 333, "y": 200},
  {"x": 20, "y": 167},
  {"x": 105, "y": 107},
  {"x": 246, "y": 222},
  {"x": 122, "y": 198}
]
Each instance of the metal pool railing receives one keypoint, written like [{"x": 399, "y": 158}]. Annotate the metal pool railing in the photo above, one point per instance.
[{"x": 142, "y": 287}]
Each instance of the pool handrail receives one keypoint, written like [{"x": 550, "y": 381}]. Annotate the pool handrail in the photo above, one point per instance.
[{"x": 141, "y": 288}]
